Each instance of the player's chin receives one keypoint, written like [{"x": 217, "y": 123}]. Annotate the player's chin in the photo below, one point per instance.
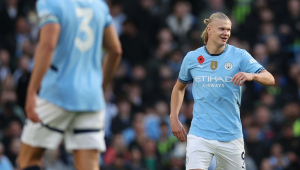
[{"x": 221, "y": 43}]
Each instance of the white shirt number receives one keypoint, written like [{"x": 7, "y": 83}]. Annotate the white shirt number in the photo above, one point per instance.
[{"x": 87, "y": 15}]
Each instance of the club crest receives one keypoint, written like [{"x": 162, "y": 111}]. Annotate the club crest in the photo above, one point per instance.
[
  {"x": 213, "y": 65},
  {"x": 228, "y": 66}
]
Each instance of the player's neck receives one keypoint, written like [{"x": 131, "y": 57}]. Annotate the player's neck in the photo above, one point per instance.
[{"x": 214, "y": 49}]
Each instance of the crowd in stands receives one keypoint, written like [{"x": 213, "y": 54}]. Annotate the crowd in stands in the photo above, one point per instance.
[{"x": 156, "y": 35}]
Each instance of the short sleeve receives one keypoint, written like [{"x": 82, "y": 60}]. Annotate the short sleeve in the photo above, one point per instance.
[
  {"x": 185, "y": 76},
  {"x": 47, "y": 12},
  {"x": 108, "y": 17},
  {"x": 249, "y": 65}
]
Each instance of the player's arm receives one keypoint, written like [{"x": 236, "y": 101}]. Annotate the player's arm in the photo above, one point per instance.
[
  {"x": 176, "y": 102},
  {"x": 264, "y": 78},
  {"x": 113, "y": 49},
  {"x": 49, "y": 35},
  {"x": 251, "y": 70}
]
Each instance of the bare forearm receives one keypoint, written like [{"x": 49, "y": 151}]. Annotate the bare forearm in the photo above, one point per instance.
[
  {"x": 176, "y": 102},
  {"x": 110, "y": 64},
  {"x": 264, "y": 78},
  {"x": 42, "y": 62}
]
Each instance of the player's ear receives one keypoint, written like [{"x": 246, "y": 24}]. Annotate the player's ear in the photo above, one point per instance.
[{"x": 208, "y": 30}]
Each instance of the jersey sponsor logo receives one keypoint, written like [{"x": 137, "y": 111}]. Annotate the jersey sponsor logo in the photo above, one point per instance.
[
  {"x": 213, "y": 81},
  {"x": 228, "y": 66},
  {"x": 213, "y": 85},
  {"x": 252, "y": 61},
  {"x": 214, "y": 65}
]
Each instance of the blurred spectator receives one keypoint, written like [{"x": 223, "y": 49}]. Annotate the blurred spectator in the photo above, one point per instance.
[
  {"x": 288, "y": 141},
  {"x": 8, "y": 15},
  {"x": 212, "y": 7},
  {"x": 256, "y": 148},
  {"x": 22, "y": 38},
  {"x": 111, "y": 110},
  {"x": 292, "y": 20},
  {"x": 22, "y": 74},
  {"x": 5, "y": 164},
  {"x": 118, "y": 164},
  {"x": 14, "y": 149},
  {"x": 154, "y": 118},
  {"x": 278, "y": 160},
  {"x": 152, "y": 159},
  {"x": 249, "y": 162},
  {"x": 52, "y": 161},
  {"x": 138, "y": 125},
  {"x": 122, "y": 120},
  {"x": 175, "y": 62},
  {"x": 137, "y": 162},
  {"x": 116, "y": 11},
  {"x": 134, "y": 46},
  {"x": 265, "y": 165},
  {"x": 166, "y": 143},
  {"x": 260, "y": 53},
  {"x": 292, "y": 112},
  {"x": 4, "y": 64},
  {"x": 262, "y": 117},
  {"x": 116, "y": 149},
  {"x": 155, "y": 36},
  {"x": 181, "y": 21}
]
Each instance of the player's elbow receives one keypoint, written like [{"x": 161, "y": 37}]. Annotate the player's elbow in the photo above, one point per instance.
[
  {"x": 272, "y": 81},
  {"x": 116, "y": 52}
]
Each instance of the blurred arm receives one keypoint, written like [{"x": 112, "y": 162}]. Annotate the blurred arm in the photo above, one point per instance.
[
  {"x": 264, "y": 78},
  {"x": 43, "y": 56},
  {"x": 113, "y": 49}
]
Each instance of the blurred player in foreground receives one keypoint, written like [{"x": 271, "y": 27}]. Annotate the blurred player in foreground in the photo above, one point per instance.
[
  {"x": 218, "y": 71},
  {"x": 70, "y": 104}
]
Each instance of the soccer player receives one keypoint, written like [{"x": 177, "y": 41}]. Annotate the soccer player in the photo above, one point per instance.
[
  {"x": 218, "y": 71},
  {"x": 69, "y": 76}
]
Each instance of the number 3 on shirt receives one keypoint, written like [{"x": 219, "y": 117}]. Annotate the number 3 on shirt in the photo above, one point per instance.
[{"x": 87, "y": 15}]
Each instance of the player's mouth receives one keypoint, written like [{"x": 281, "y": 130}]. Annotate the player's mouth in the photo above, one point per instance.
[{"x": 224, "y": 39}]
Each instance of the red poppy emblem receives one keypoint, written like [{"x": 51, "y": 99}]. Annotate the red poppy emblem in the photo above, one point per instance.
[{"x": 201, "y": 59}]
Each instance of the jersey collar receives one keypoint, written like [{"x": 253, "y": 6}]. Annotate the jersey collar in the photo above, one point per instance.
[{"x": 215, "y": 54}]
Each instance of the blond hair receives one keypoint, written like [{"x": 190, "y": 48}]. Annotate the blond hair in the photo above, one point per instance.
[{"x": 217, "y": 15}]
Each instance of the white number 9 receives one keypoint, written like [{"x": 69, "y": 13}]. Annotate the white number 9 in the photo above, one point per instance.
[{"x": 87, "y": 15}]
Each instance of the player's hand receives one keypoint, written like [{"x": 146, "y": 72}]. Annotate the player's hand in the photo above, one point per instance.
[
  {"x": 178, "y": 129},
  {"x": 30, "y": 107},
  {"x": 241, "y": 77}
]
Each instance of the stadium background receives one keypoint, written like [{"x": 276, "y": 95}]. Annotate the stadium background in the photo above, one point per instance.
[{"x": 155, "y": 36}]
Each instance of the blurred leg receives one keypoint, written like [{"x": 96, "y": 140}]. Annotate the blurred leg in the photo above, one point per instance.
[
  {"x": 29, "y": 156},
  {"x": 86, "y": 159}
]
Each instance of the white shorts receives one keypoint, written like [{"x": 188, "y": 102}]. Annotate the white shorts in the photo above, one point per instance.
[
  {"x": 229, "y": 155},
  {"x": 84, "y": 130}
]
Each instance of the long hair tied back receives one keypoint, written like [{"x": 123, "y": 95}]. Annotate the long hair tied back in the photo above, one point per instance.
[{"x": 217, "y": 15}]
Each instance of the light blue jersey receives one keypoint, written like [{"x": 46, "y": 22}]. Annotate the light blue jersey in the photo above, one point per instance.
[
  {"x": 74, "y": 81},
  {"x": 216, "y": 113}
]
